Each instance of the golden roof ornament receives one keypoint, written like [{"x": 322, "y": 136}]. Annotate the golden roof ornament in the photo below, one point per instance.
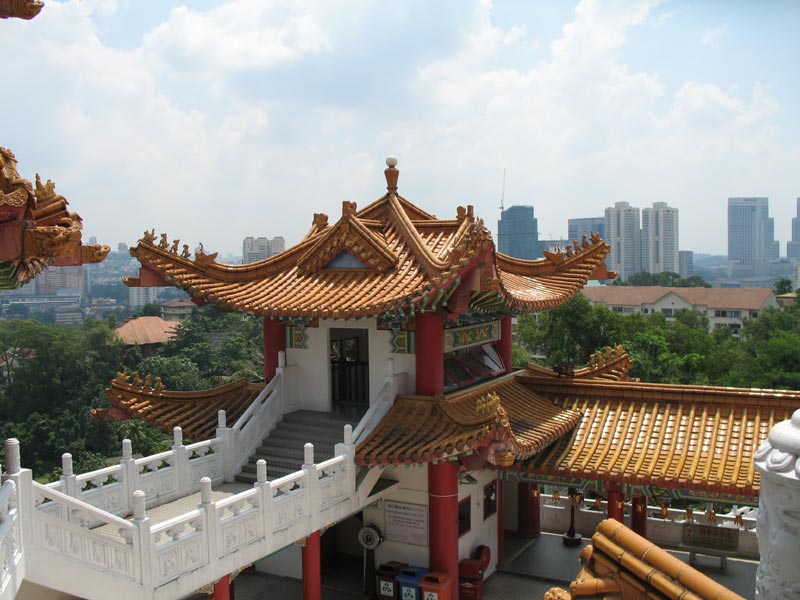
[{"x": 391, "y": 174}]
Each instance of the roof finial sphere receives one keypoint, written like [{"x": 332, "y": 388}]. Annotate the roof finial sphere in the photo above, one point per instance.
[{"x": 391, "y": 161}]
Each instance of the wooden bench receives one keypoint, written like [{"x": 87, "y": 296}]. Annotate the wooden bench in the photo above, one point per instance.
[{"x": 709, "y": 540}]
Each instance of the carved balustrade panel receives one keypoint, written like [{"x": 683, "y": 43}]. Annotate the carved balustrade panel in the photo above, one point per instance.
[
  {"x": 180, "y": 546},
  {"x": 241, "y": 522}
]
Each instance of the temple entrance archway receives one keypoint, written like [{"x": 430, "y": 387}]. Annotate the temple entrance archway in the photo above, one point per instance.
[{"x": 349, "y": 364}]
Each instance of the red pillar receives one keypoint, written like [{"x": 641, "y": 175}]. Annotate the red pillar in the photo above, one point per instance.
[
  {"x": 529, "y": 520},
  {"x": 222, "y": 589},
  {"x": 639, "y": 515},
  {"x": 312, "y": 569},
  {"x": 500, "y": 521},
  {"x": 274, "y": 342},
  {"x": 443, "y": 508},
  {"x": 430, "y": 354},
  {"x": 616, "y": 502},
  {"x": 504, "y": 344}
]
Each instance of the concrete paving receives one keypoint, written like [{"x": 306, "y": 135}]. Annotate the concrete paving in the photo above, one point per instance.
[{"x": 531, "y": 567}]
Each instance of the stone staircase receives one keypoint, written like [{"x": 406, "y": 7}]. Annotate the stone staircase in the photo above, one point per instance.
[{"x": 283, "y": 446}]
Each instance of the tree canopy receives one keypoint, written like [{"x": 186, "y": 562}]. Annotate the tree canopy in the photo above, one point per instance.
[{"x": 679, "y": 350}]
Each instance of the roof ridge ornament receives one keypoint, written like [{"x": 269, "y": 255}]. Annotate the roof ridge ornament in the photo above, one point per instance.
[{"x": 392, "y": 174}]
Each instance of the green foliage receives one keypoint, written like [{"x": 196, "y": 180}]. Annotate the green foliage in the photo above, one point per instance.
[
  {"x": 176, "y": 372},
  {"x": 666, "y": 279},
  {"x": 783, "y": 286},
  {"x": 150, "y": 310},
  {"x": 681, "y": 350}
]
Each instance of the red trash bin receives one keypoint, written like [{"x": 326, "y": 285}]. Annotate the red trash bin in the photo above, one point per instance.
[
  {"x": 436, "y": 586},
  {"x": 470, "y": 589}
]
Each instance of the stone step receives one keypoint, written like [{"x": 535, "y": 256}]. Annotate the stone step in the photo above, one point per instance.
[{"x": 283, "y": 448}]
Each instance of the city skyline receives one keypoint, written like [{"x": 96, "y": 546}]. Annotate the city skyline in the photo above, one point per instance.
[{"x": 159, "y": 113}]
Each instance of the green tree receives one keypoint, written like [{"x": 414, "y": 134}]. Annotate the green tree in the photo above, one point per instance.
[{"x": 783, "y": 286}]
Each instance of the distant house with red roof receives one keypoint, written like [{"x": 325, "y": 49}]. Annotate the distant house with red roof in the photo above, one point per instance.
[
  {"x": 147, "y": 332},
  {"x": 724, "y": 307}
]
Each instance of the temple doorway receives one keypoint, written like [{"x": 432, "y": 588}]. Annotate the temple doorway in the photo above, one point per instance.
[{"x": 349, "y": 360}]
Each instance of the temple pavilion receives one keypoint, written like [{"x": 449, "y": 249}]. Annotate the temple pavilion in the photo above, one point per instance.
[{"x": 390, "y": 297}]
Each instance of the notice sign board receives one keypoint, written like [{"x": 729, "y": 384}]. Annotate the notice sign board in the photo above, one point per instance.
[
  {"x": 404, "y": 522},
  {"x": 725, "y": 539}
]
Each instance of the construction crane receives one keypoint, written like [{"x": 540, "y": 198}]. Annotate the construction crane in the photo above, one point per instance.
[{"x": 503, "y": 194}]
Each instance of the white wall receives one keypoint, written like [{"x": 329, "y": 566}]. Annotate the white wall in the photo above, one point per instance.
[
  {"x": 310, "y": 385},
  {"x": 482, "y": 533},
  {"x": 413, "y": 489},
  {"x": 285, "y": 563}
]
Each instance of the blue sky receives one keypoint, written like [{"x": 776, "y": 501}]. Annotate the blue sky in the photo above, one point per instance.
[{"x": 213, "y": 120}]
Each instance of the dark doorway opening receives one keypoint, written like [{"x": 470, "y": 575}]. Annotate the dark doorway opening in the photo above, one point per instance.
[{"x": 349, "y": 356}]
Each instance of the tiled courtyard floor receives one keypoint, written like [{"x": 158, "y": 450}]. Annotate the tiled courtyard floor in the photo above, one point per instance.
[{"x": 532, "y": 567}]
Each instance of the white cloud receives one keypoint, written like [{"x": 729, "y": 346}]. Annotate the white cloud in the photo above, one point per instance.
[
  {"x": 711, "y": 37},
  {"x": 244, "y": 34}
]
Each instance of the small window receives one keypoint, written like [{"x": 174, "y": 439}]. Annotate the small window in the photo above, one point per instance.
[
  {"x": 489, "y": 499},
  {"x": 464, "y": 516}
]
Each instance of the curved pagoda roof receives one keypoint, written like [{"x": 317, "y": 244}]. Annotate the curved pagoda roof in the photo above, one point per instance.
[
  {"x": 194, "y": 411},
  {"x": 36, "y": 229},
  {"x": 593, "y": 423},
  {"x": 389, "y": 258}
]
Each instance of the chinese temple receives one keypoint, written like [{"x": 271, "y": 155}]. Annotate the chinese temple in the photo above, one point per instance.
[
  {"x": 401, "y": 321},
  {"x": 392, "y": 423}
]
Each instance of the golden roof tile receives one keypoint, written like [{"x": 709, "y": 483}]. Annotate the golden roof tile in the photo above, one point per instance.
[
  {"x": 423, "y": 428},
  {"x": 622, "y": 564},
  {"x": 679, "y": 436},
  {"x": 412, "y": 261},
  {"x": 195, "y": 412}
]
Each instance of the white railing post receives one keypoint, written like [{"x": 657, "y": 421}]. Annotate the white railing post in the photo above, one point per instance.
[
  {"x": 145, "y": 551},
  {"x": 348, "y": 450},
  {"x": 209, "y": 508},
  {"x": 313, "y": 499},
  {"x": 69, "y": 483},
  {"x": 181, "y": 460},
  {"x": 23, "y": 479},
  {"x": 230, "y": 447},
  {"x": 284, "y": 383},
  {"x": 265, "y": 496},
  {"x": 127, "y": 466}
]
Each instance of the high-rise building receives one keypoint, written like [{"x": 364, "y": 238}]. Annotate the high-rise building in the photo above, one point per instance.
[
  {"x": 660, "y": 239},
  {"x": 139, "y": 296},
  {"x": 793, "y": 247},
  {"x": 577, "y": 228},
  {"x": 624, "y": 236},
  {"x": 255, "y": 249},
  {"x": 685, "y": 263},
  {"x": 518, "y": 232},
  {"x": 751, "y": 237}
]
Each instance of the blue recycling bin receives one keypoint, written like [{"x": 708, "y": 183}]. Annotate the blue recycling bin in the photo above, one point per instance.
[{"x": 408, "y": 581}]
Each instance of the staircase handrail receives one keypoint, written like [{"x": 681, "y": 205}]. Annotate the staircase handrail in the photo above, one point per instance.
[
  {"x": 262, "y": 399},
  {"x": 376, "y": 412}
]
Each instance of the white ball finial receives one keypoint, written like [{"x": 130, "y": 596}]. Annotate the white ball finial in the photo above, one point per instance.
[{"x": 391, "y": 161}]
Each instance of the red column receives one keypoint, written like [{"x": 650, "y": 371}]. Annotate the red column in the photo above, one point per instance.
[
  {"x": 616, "y": 502},
  {"x": 639, "y": 515},
  {"x": 274, "y": 342},
  {"x": 222, "y": 589},
  {"x": 500, "y": 521},
  {"x": 529, "y": 521},
  {"x": 443, "y": 508},
  {"x": 430, "y": 354},
  {"x": 312, "y": 569},
  {"x": 504, "y": 344}
]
